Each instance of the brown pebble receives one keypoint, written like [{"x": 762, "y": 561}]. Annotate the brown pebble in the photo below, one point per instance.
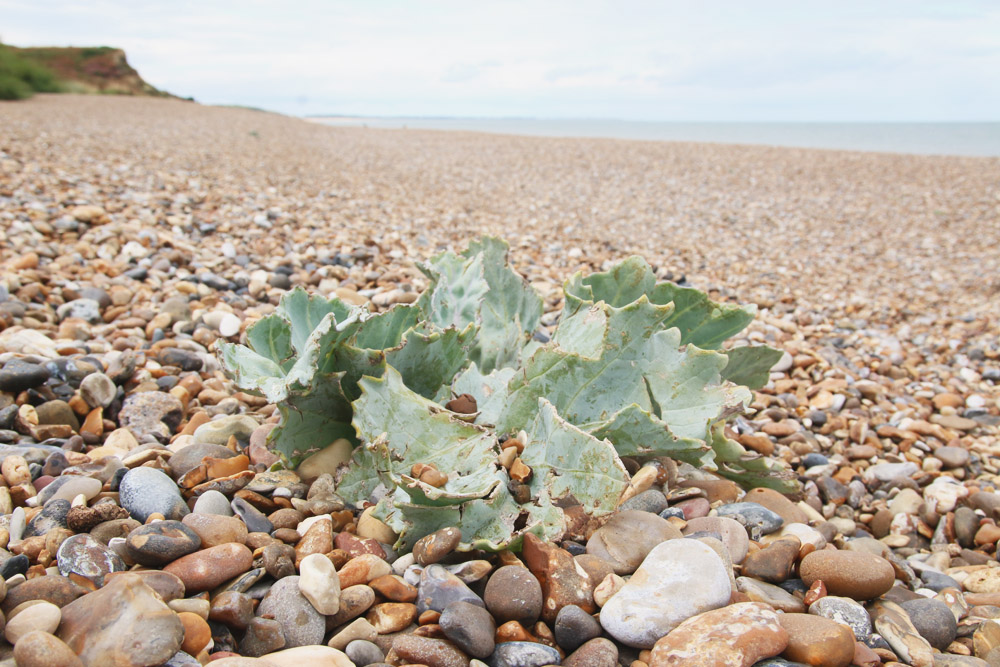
[
  {"x": 854, "y": 574},
  {"x": 818, "y": 641},
  {"x": 197, "y": 634},
  {"x": 432, "y": 548},
  {"x": 206, "y": 569},
  {"x": 40, "y": 649},
  {"x": 775, "y": 562},
  {"x": 391, "y": 617}
]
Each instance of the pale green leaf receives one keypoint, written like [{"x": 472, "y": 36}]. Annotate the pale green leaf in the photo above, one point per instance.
[
  {"x": 428, "y": 361},
  {"x": 637, "y": 433},
  {"x": 570, "y": 465},
  {"x": 490, "y": 391},
  {"x": 418, "y": 430},
  {"x": 701, "y": 321},
  {"x": 750, "y": 365}
]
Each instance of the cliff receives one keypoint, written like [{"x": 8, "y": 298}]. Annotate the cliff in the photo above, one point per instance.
[{"x": 100, "y": 69}]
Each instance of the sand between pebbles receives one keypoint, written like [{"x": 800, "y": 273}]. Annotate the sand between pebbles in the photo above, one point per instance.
[{"x": 137, "y": 233}]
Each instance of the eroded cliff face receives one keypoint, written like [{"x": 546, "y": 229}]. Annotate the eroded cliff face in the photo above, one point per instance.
[{"x": 100, "y": 69}]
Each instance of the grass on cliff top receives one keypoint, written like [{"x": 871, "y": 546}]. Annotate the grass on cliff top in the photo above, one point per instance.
[{"x": 21, "y": 78}]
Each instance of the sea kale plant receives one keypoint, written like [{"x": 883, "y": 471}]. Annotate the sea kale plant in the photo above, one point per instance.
[{"x": 635, "y": 368}]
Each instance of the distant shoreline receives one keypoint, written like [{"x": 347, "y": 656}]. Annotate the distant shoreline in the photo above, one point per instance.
[{"x": 971, "y": 139}]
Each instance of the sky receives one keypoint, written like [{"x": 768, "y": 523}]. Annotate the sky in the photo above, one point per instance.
[{"x": 722, "y": 60}]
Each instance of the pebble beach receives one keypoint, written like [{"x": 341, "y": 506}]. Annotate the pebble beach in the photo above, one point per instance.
[{"x": 141, "y": 525}]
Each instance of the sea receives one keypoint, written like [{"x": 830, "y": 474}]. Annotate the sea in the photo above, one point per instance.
[{"x": 971, "y": 139}]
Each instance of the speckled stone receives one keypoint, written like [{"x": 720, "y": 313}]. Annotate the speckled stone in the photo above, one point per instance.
[
  {"x": 161, "y": 542},
  {"x": 300, "y": 623},
  {"x": 737, "y": 635},
  {"x": 470, "y": 627},
  {"x": 513, "y": 594}
]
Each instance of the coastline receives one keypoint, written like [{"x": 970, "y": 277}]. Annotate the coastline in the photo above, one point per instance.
[{"x": 972, "y": 139}]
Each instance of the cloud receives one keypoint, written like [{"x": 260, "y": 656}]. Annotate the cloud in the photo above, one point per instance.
[{"x": 645, "y": 59}]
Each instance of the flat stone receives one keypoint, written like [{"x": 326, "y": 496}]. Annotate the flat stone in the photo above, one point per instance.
[
  {"x": 846, "y": 611},
  {"x": 313, "y": 656},
  {"x": 69, "y": 487},
  {"x": 144, "y": 491},
  {"x": 166, "y": 585},
  {"x": 190, "y": 457},
  {"x": 88, "y": 310},
  {"x": 18, "y": 375},
  {"x": 733, "y": 534},
  {"x": 893, "y": 623},
  {"x": 391, "y": 617},
  {"x": 562, "y": 580},
  {"x": 598, "y": 652},
  {"x": 58, "y": 590},
  {"x": 326, "y": 460},
  {"x": 208, "y": 568},
  {"x": 626, "y": 539},
  {"x": 814, "y": 640},
  {"x": 412, "y": 649},
  {"x": 775, "y": 562},
  {"x": 216, "y": 529},
  {"x": 650, "y": 500},
  {"x": 523, "y": 654},
  {"x": 151, "y": 413},
  {"x": 125, "y": 623},
  {"x": 513, "y": 594},
  {"x": 775, "y": 596},
  {"x": 52, "y": 517},
  {"x": 738, "y": 635},
  {"x": 255, "y": 520},
  {"x": 219, "y": 430},
  {"x": 778, "y": 504},
  {"x": 262, "y": 636},
  {"x": 438, "y": 588},
  {"x": 852, "y": 574},
  {"x": 58, "y": 413},
  {"x": 677, "y": 580},
  {"x": 161, "y": 542},
  {"x": 301, "y": 624},
  {"x": 952, "y": 457},
  {"x": 84, "y": 556},
  {"x": 359, "y": 628},
  {"x": 753, "y": 516},
  {"x": 232, "y": 609}
]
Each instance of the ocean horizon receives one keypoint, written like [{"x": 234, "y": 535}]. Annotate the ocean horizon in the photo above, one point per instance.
[{"x": 959, "y": 138}]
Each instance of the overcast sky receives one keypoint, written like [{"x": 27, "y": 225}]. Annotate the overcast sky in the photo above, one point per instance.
[{"x": 720, "y": 60}]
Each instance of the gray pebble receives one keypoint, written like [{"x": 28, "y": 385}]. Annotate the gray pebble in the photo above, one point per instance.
[
  {"x": 363, "y": 653},
  {"x": 523, "y": 654},
  {"x": 933, "y": 620},
  {"x": 145, "y": 491}
]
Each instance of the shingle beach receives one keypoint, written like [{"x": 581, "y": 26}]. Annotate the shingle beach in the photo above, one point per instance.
[{"x": 141, "y": 523}]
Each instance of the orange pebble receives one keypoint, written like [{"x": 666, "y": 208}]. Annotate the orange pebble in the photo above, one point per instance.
[{"x": 197, "y": 634}]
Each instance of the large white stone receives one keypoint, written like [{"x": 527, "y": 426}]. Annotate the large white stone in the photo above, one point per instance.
[
  {"x": 314, "y": 656},
  {"x": 320, "y": 584},
  {"x": 678, "y": 579}
]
